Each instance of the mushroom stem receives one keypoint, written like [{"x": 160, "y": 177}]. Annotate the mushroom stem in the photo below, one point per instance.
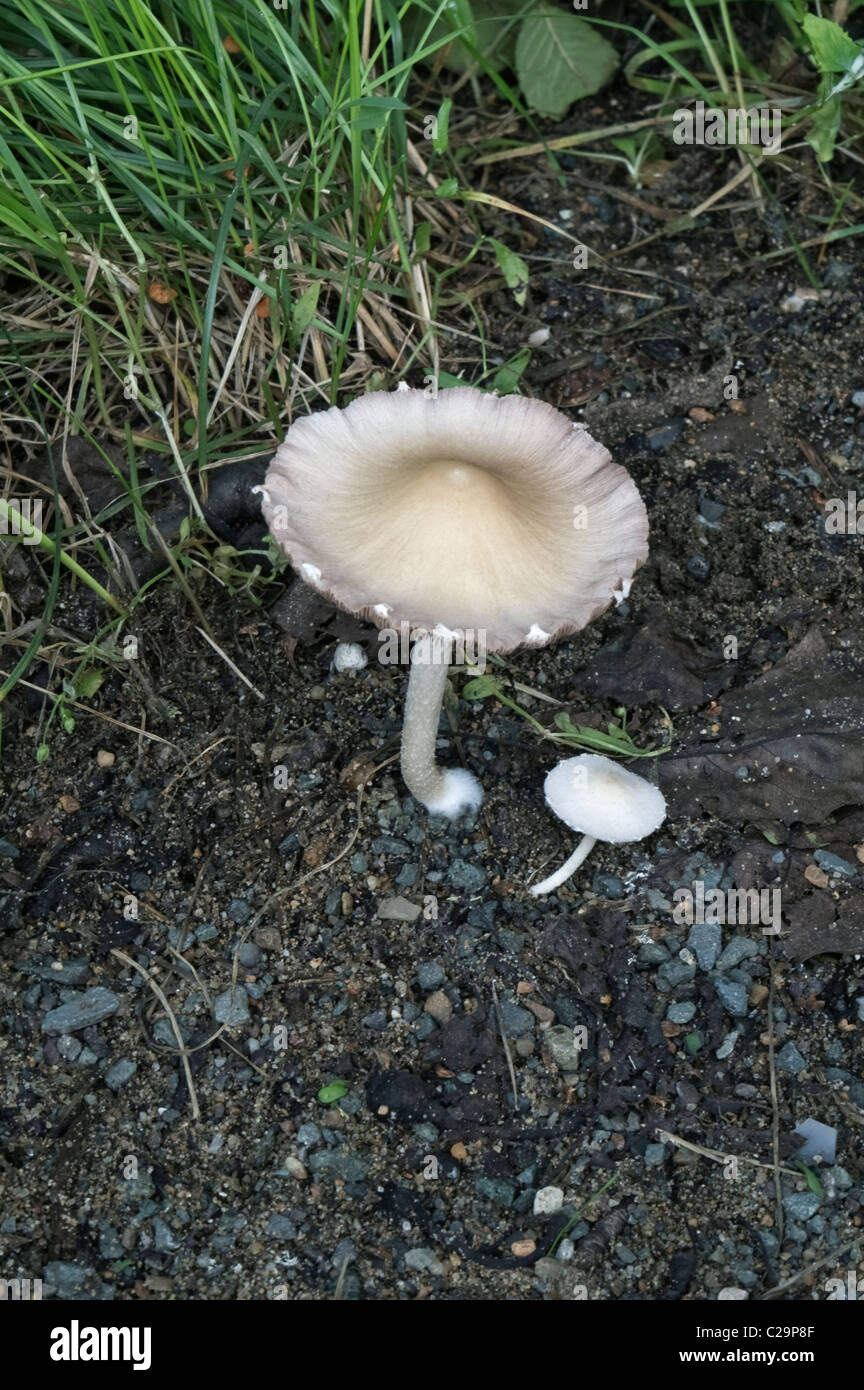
[
  {"x": 568, "y": 868},
  {"x": 445, "y": 791}
]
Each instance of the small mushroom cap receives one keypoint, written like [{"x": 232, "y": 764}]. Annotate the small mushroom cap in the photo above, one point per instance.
[
  {"x": 479, "y": 514},
  {"x": 598, "y": 797}
]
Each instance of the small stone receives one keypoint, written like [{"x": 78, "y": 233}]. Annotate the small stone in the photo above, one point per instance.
[
  {"x": 82, "y": 1012},
  {"x": 816, "y": 876},
  {"x": 655, "y": 1154},
  {"x": 802, "y": 1205},
  {"x": 681, "y": 1013},
  {"x": 727, "y": 1046},
  {"x": 699, "y": 566},
  {"x": 738, "y": 949},
  {"x": 858, "y": 400},
  {"x": 674, "y": 973},
  {"x": 239, "y": 911},
  {"x": 468, "y": 876},
  {"x": 833, "y": 864},
  {"x": 295, "y": 1168},
  {"x": 68, "y": 1047},
  {"x": 281, "y": 1227},
  {"x": 663, "y": 435},
  {"x": 430, "y": 975},
  {"x": 733, "y": 997},
  {"x": 121, "y": 1072},
  {"x": 423, "y": 1260},
  {"x": 249, "y": 955},
  {"x": 517, "y": 1021},
  {"x": 398, "y": 910},
  {"x": 105, "y": 758},
  {"x": 496, "y": 1190},
  {"x": 548, "y": 1200},
  {"x": 789, "y": 1059},
  {"x": 704, "y": 941},
  {"x": 522, "y": 1248},
  {"x": 439, "y": 1007},
  {"x": 560, "y": 1044},
  {"x": 731, "y": 1294},
  {"x": 232, "y": 1006}
]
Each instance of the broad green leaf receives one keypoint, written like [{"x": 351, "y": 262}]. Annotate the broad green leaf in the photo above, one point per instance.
[
  {"x": 88, "y": 683},
  {"x": 335, "y": 1091},
  {"x": 832, "y": 47},
  {"x": 506, "y": 379},
  {"x": 480, "y": 687},
  {"x": 447, "y": 189},
  {"x": 560, "y": 59},
  {"x": 514, "y": 270},
  {"x": 43, "y": 752}
]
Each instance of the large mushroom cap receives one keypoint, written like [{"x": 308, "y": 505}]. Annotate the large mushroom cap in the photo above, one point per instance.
[
  {"x": 598, "y": 797},
  {"x": 461, "y": 510}
]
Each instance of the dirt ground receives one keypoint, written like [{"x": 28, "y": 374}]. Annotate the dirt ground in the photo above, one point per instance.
[{"x": 392, "y": 952}]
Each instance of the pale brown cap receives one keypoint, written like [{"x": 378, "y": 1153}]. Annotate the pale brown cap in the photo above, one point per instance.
[{"x": 462, "y": 510}]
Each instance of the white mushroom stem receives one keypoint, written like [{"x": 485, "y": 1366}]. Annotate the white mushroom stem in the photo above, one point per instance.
[
  {"x": 568, "y": 868},
  {"x": 444, "y": 791}
]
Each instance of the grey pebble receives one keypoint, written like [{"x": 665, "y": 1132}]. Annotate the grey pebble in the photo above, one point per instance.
[
  {"x": 736, "y": 950},
  {"x": 121, "y": 1072},
  {"x": 802, "y": 1205},
  {"x": 705, "y": 940},
  {"x": 681, "y": 1013},
  {"x": 789, "y": 1059},
  {"x": 91, "y": 1007},
  {"x": 733, "y": 997},
  {"x": 232, "y": 1006}
]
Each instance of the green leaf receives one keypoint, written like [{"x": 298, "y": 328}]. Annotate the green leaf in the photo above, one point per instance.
[
  {"x": 561, "y": 59},
  {"x": 824, "y": 127},
  {"x": 693, "y": 1043},
  {"x": 88, "y": 683},
  {"x": 422, "y": 239},
  {"x": 447, "y": 189},
  {"x": 480, "y": 688},
  {"x": 43, "y": 753},
  {"x": 812, "y": 1181},
  {"x": 335, "y": 1091},
  {"x": 304, "y": 310},
  {"x": 832, "y": 47},
  {"x": 514, "y": 270},
  {"x": 506, "y": 379},
  {"x": 442, "y": 126}
]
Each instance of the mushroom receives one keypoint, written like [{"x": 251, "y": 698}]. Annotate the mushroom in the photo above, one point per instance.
[
  {"x": 462, "y": 519},
  {"x": 601, "y": 800}
]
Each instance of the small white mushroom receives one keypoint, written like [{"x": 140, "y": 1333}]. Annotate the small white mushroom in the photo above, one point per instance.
[
  {"x": 349, "y": 656},
  {"x": 600, "y": 800}
]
